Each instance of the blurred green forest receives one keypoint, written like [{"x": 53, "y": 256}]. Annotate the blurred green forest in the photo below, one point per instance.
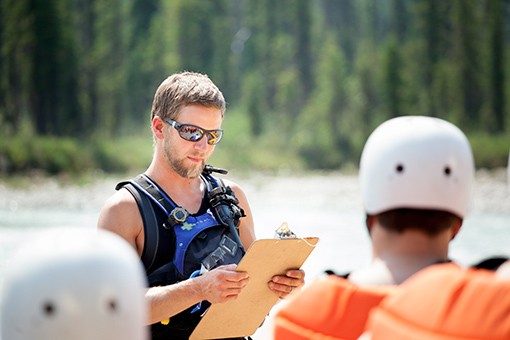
[{"x": 306, "y": 81}]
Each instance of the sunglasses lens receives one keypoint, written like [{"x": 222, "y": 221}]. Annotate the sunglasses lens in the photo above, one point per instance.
[
  {"x": 190, "y": 132},
  {"x": 214, "y": 136}
]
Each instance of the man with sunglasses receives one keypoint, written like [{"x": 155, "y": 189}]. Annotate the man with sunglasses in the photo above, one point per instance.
[{"x": 187, "y": 113}]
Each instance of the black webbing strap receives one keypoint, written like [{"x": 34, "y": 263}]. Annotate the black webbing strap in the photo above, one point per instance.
[
  {"x": 152, "y": 192},
  {"x": 150, "y": 223},
  {"x": 491, "y": 263}
]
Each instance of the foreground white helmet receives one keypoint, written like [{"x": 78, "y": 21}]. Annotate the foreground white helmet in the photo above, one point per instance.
[
  {"x": 417, "y": 162},
  {"x": 75, "y": 284}
]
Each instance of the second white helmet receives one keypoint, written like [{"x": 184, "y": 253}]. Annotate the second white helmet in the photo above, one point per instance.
[
  {"x": 417, "y": 162},
  {"x": 74, "y": 283}
]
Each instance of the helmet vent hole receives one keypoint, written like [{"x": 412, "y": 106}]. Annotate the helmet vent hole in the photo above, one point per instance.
[
  {"x": 112, "y": 306},
  {"x": 400, "y": 168},
  {"x": 49, "y": 309},
  {"x": 447, "y": 171}
]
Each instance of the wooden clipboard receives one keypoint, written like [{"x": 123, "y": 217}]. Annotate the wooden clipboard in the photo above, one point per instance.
[{"x": 244, "y": 315}]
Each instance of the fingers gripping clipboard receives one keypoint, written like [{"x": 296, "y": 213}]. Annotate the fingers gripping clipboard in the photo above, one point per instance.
[{"x": 242, "y": 316}]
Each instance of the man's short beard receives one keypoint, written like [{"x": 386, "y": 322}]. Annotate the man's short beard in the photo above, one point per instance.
[
  {"x": 179, "y": 168},
  {"x": 190, "y": 173}
]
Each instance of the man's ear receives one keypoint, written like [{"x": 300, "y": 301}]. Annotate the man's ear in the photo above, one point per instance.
[
  {"x": 456, "y": 227},
  {"x": 370, "y": 220},
  {"x": 157, "y": 126}
]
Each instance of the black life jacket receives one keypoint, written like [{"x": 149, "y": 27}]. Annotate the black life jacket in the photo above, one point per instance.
[{"x": 175, "y": 251}]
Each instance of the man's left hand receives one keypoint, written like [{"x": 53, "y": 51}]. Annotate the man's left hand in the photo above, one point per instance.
[{"x": 283, "y": 285}]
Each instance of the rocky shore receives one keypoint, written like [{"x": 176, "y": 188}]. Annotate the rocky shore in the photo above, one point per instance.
[{"x": 322, "y": 190}]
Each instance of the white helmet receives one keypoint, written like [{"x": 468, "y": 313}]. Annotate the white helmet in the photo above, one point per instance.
[
  {"x": 74, "y": 283},
  {"x": 417, "y": 162}
]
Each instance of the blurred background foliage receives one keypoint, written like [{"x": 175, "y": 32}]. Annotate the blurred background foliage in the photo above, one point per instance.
[{"x": 306, "y": 81}]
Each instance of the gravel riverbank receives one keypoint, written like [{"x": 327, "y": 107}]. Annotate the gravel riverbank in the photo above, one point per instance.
[{"x": 320, "y": 190}]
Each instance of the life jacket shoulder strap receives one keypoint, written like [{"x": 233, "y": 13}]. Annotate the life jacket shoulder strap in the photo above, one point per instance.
[
  {"x": 491, "y": 263},
  {"x": 150, "y": 223}
]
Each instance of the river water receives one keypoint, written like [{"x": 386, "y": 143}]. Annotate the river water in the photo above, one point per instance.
[{"x": 326, "y": 205}]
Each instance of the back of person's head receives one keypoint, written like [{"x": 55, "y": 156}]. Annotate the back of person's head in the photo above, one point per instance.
[
  {"x": 186, "y": 88},
  {"x": 445, "y": 302},
  {"x": 417, "y": 166},
  {"x": 429, "y": 221}
]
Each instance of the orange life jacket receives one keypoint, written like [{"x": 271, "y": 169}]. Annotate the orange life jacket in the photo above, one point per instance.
[
  {"x": 329, "y": 308},
  {"x": 445, "y": 302}
]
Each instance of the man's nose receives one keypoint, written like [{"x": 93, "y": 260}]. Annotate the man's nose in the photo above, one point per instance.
[{"x": 201, "y": 144}]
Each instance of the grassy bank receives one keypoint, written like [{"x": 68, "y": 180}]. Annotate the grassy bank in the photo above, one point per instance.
[
  {"x": 240, "y": 152},
  {"x": 53, "y": 156}
]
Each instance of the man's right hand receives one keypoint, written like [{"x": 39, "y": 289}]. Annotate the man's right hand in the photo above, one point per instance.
[{"x": 221, "y": 284}]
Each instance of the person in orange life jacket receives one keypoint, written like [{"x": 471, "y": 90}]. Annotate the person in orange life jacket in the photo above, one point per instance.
[
  {"x": 187, "y": 113},
  {"x": 416, "y": 177},
  {"x": 445, "y": 302}
]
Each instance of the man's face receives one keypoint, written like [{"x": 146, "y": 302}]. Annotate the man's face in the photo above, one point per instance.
[{"x": 188, "y": 158}]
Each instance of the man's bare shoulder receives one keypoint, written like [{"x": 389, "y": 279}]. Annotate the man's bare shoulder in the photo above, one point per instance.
[
  {"x": 120, "y": 214},
  {"x": 120, "y": 202}
]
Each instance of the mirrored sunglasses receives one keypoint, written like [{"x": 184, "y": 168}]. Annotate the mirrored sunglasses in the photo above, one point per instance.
[{"x": 195, "y": 133}]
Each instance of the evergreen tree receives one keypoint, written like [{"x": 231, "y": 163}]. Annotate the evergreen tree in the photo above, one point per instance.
[
  {"x": 431, "y": 49},
  {"x": 109, "y": 52},
  {"x": 466, "y": 62},
  {"x": 399, "y": 18},
  {"x": 322, "y": 140},
  {"x": 195, "y": 35},
  {"x": 340, "y": 19},
  {"x": 267, "y": 43},
  {"x": 392, "y": 79},
  {"x": 85, "y": 36},
  {"x": 303, "y": 36},
  {"x": 253, "y": 100},
  {"x": 53, "y": 86},
  {"x": 146, "y": 28},
  {"x": 15, "y": 63},
  {"x": 494, "y": 117},
  {"x": 366, "y": 92}
]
